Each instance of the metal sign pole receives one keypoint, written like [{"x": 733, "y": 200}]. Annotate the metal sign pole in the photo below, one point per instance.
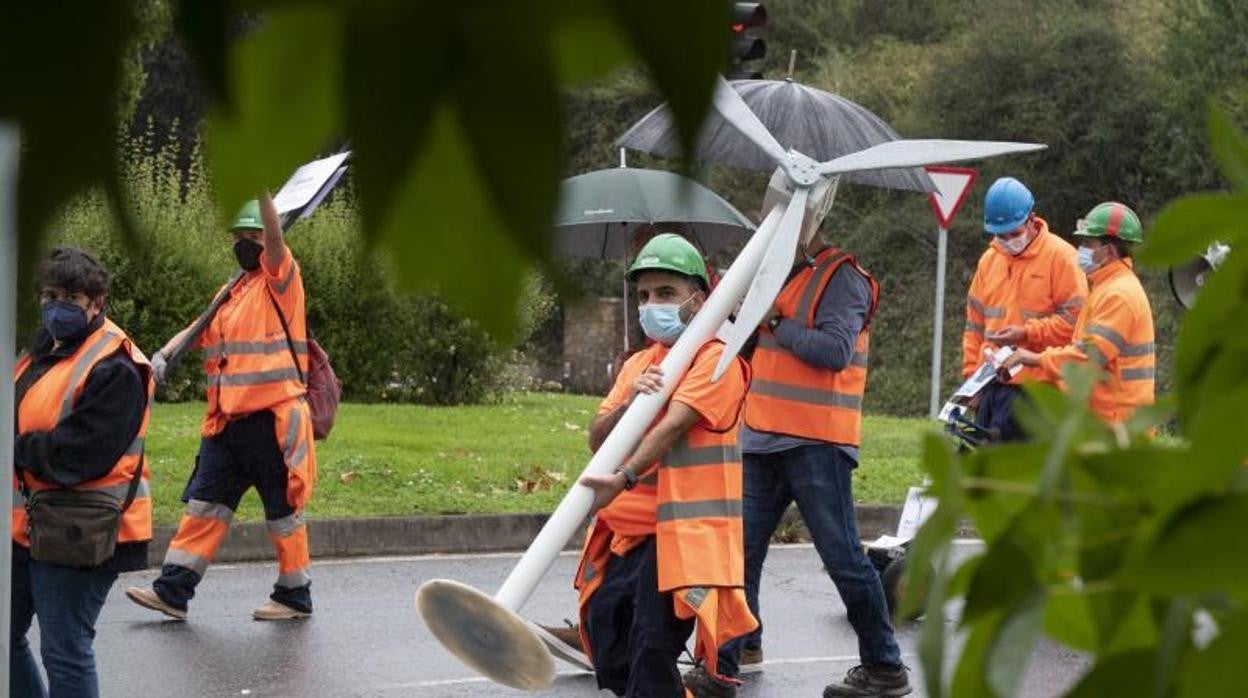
[
  {"x": 938, "y": 321},
  {"x": 9, "y": 145}
]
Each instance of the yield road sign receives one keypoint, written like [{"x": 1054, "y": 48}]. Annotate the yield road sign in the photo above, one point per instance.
[{"x": 952, "y": 186}]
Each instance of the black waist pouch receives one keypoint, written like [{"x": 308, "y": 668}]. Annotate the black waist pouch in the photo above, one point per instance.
[{"x": 73, "y": 528}]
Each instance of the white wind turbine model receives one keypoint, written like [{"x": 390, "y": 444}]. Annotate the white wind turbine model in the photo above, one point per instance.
[{"x": 486, "y": 632}]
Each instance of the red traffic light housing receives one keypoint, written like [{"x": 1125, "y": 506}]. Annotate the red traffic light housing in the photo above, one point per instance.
[{"x": 744, "y": 46}]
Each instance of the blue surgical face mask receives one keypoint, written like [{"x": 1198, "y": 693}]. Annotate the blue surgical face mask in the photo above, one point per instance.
[
  {"x": 661, "y": 321},
  {"x": 1087, "y": 259},
  {"x": 64, "y": 320}
]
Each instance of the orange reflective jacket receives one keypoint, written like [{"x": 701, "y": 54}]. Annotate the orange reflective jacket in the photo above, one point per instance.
[
  {"x": 693, "y": 502},
  {"x": 246, "y": 355},
  {"x": 1118, "y": 323},
  {"x": 51, "y": 399},
  {"x": 788, "y": 395},
  {"x": 1042, "y": 289}
]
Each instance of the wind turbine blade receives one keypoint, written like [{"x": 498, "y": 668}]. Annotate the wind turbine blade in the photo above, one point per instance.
[
  {"x": 768, "y": 281},
  {"x": 917, "y": 153},
  {"x": 734, "y": 109}
]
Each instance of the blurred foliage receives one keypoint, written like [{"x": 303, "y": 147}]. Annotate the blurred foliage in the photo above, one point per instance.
[
  {"x": 1102, "y": 539},
  {"x": 452, "y": 110}
]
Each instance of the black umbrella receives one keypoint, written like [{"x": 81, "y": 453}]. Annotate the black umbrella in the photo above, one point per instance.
[{"x": 817, "y": 124}]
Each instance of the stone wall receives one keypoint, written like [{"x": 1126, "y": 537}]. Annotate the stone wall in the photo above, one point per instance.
[{"x": 593, "y": 340}]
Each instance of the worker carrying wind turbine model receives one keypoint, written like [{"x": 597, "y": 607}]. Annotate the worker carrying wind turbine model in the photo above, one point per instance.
[{"x": 663, "y": 554}]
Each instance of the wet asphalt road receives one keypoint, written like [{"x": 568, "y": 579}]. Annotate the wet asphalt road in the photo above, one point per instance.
[{"x": 367, "y": 640}]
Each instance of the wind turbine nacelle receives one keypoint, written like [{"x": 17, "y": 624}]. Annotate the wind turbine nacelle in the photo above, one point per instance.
[
  {"x": 1188, "y": 278},
  {"x": 822, "y": 194}
]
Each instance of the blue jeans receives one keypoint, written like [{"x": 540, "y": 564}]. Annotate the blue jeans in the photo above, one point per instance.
[
  {"x": 817, "y": 477},
  {"x": 67, "y": 602}
]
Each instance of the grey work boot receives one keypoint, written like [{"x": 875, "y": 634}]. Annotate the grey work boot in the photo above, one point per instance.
[{"x": 865, "y": 680}]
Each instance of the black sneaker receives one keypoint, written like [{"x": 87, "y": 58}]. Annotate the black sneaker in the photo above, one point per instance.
[
  {"x": 703, "y": 685},
  {"x": 870, "y": 681}
]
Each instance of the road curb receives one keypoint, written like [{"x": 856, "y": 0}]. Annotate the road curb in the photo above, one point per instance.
[{"x": 427, "y": 535}]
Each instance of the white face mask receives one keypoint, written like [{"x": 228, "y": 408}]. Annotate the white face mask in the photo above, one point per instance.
[
  {"x": 1087, "y": 260},
  {"x": 1015, "y": 246}
]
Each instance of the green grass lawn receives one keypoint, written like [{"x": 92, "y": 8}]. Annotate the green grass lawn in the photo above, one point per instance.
[{"x": 519, "y": 456}]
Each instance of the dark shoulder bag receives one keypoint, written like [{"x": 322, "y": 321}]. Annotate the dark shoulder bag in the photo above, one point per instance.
[
  {"x": 76, "y": 528},
  {"x": 72, "y": 528}
]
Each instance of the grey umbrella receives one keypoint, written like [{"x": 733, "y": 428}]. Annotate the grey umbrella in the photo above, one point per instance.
[
  {"x": 818, "y": 124},
  {"x": 599, "y": 211}
]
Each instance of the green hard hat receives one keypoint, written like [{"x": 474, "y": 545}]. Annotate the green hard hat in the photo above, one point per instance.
[
  {"x": 670, "y": 252},
  {"x": 1111, "y": 219},
  {"x": 248, "y": 216}
]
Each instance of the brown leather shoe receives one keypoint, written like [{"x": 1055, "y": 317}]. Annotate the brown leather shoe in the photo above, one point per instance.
[
  {"x": 148, "y": 598},
  {"x": 272, "y": 610},
  {"x": 564, "y": 643},
  {"x": 751, "y": 660}
]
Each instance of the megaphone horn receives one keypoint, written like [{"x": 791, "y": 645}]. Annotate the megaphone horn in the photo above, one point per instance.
[{"x": 1188, "y": 278}]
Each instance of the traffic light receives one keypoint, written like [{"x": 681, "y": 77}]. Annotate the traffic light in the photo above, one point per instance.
[{"x": 745, "y": 46}]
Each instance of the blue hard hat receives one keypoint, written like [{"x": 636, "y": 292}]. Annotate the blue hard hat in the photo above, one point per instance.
[{"x": 1006, "y": 206}]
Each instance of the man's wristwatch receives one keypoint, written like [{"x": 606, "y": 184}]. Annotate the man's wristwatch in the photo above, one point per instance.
[
  {"x": 774, "y": 322},
  {"x": 630, "y": 480}
]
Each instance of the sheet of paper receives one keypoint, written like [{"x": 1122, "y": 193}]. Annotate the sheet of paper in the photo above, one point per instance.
[
  {"x": 306, "y": 182},
  {"x": 915, "y": 511}
]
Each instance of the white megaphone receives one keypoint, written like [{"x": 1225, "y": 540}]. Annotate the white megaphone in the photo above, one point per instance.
[{"x": 1188, "y": 278}]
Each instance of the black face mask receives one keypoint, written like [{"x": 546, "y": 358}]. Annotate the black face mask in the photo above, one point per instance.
[{"x": 247, "y": 252}]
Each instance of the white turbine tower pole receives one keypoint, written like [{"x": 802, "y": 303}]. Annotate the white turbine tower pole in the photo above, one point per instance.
[{"x": 9, "y": 146}]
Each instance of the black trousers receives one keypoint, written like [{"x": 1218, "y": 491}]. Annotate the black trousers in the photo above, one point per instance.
[{"x": 634, "y": 634}]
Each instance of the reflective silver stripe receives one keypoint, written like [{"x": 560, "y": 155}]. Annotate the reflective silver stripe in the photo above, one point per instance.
[
  {"x": 682, "y": 456},
  {"x": 1125, "y": 347},
  {"x": 985, "y": 310},
  {"x": 80, "y": 367},
  {"x": 816, "y": 280},
  {"x": 136, "y": 447},
  {"x": 287, "y": 525},
  {"x": 1094, "y": 352},
  {"x": 275, "y": 376},
  {"x": 1139, "y": 374},
  {"x": 189, "y": 560},
  {"x": 236, "y": 348},
  {"x": 590, "y": 573},
  {"x": 1033, "y": 314},
  {"x": 811, "y": 396},
  {"x": 209, "y": 510},
  {"x": 974, "y": 328},
  {"x": 671, "y": 511},
  {"x": 280, "y": 286},
  {"x": 294, "y": 580},
  {"x": 1069, "y": 311},
  {"x": 769, "y": 341},
  {"x": 694, "y": 596},
  {"x": 1143, "y": 349},
  {"x": 18, "y": 500},
  {"x": 293, "y": 449},
  {"x": 120, "y": 490}
]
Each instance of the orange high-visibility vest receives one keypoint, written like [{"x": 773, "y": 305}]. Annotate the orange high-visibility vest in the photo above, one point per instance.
[
  {"x": 51, "y": 399},
  {"x": 1042, "y": 289},
  {"x": 788, "y": 395},
  {"x": 1116, "y": 325},
  {"x": 696, "y": 506},
  {"x": 246, "y": 356}
]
